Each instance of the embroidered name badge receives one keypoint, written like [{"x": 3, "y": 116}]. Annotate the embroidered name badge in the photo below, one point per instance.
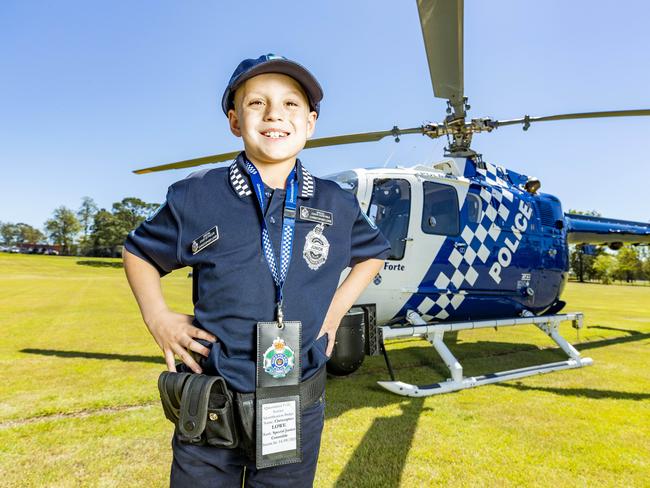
[
  {"x": 205, "y": 240},
  {"x": 316, "y": 215}
]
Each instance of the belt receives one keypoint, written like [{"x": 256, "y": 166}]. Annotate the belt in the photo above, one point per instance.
[
  {"x": 198, "y": 403},
  {"x": 310, "y": 390}
]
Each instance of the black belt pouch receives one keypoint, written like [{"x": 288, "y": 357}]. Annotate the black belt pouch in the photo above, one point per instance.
[{"x": 203, "y": 412}]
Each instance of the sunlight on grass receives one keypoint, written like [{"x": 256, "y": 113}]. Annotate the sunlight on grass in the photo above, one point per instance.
[{"x": 80, "y": 391}]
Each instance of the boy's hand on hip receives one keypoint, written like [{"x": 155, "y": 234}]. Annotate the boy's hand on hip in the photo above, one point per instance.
[
  {"x": 175, "y": 334},
  {"x": 329, "y": 329}
]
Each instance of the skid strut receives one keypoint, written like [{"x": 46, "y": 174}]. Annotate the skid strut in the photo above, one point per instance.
[{"x": 434, "y": 333}]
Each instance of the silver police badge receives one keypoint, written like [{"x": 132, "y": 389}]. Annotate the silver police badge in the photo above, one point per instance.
[{"x": 317, "y": 248}]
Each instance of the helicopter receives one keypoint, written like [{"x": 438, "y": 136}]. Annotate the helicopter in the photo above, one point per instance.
[{"x": 473, "y": 244}]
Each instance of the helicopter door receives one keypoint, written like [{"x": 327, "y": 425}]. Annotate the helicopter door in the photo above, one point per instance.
[
  {"x": 390, "y": 209},
  {"x": 505, "y": 266}
]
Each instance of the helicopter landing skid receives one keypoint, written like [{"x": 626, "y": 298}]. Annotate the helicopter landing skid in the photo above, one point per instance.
[{"x": 434, "y": 333}]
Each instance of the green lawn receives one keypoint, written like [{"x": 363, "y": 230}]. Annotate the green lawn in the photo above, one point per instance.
[{"x": 79, "y": 403}]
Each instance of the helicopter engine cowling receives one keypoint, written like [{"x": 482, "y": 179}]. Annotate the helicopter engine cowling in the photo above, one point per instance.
[{"x": 349, "y": 348}]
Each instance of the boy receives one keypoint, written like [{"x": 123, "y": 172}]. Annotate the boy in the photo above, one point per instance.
[{"x": 240, "y": 228}]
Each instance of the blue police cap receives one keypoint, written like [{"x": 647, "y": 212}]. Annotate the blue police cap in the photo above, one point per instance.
[{"x": 272, "y": 63}]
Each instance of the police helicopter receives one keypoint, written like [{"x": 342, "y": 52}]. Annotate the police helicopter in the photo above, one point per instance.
[{"x": 474, "y": 245}]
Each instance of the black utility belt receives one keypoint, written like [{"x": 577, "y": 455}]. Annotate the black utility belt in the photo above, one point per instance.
[{"x": 206, "y": 412}]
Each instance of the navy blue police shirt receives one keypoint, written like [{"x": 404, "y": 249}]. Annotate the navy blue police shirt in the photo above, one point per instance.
[{"x": 233, "y": 288}]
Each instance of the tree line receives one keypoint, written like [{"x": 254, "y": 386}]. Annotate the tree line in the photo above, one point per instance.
[
  {"x": 88, "y": 231},
  {"x": 598, "y": 263},
  {"x": 629, "y": 264},
  {"x": 91, "y": 231}
]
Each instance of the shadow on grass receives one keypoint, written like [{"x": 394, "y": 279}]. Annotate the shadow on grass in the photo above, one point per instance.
[
  {"x": 131, "y": 358},
  {"x": 580, "y": 392},
  {"x": 604, "y": 327},
  {"x": 395, "y": 436},
  {"x": 101, "y": 264},
  {"x": 634, "y": 336},
  {"x": 392, "y": 436}
]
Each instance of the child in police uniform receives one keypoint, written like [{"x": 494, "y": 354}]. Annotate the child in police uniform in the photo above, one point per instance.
[{"x": 214, "y": 222}]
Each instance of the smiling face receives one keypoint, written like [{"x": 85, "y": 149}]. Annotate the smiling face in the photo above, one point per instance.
[{"x": 273, "y": 117}]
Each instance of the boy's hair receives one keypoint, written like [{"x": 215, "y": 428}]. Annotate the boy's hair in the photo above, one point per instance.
[{"x": 271, "y": 63}]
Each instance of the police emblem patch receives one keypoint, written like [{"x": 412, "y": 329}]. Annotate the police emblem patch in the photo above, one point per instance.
[
  {"x": 316, "y": 247},
  {"x": 278, "y": 359}
]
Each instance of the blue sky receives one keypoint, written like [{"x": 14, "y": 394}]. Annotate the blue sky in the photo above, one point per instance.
[{"x": 91, "y": 90}]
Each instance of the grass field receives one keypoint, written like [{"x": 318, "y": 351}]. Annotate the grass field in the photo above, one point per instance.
[{"x": 79, "y": 404}]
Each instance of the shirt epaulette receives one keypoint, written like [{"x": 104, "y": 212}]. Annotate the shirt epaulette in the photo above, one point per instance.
[{"x": 238, "y": 176}]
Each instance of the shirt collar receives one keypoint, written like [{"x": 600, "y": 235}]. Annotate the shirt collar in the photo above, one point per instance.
[{"x": 239, "y": 179}]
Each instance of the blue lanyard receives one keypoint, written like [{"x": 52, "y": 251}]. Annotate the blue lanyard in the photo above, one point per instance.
[{"x": 288, "y": 225}]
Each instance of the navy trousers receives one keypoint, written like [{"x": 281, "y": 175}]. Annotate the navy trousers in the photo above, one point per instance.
[{"x": 206, "y": 466}]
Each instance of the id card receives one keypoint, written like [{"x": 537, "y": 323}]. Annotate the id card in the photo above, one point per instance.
[
  {"x": 277, "y": 409},
  {"x": 279, "y": 431}
]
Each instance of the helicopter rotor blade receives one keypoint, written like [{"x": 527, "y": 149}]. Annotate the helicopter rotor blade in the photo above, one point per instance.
[
  {"x": 320, "y": 142},
  {"x": 527, "y": 120},
  {"x": 442, "y": 29}
]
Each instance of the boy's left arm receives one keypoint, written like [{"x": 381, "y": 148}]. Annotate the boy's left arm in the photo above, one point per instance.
[{"x": 359, "y": 278}]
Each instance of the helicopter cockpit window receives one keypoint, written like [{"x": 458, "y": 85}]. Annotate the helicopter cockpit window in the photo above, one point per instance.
[
  {"x": 440, "y": 213},
  {"x": 473, "y": 208},
  {"x": 390, "y": 208},
  {"x": 347, "y": 180}
]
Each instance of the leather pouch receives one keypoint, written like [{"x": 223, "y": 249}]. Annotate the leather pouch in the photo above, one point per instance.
[
  {"x": 170, "y": 387},
  {"x": 206, "y": 414},
  {"x": 245, "y": 414}
]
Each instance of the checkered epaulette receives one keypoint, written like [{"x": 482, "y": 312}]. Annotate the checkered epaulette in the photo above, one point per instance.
[
  {"x": 307, "y": 190},
  {"x": 238, "y": 181}
]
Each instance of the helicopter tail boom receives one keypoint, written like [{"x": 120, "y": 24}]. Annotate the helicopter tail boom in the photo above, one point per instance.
[{"x": 583, "y": 229}]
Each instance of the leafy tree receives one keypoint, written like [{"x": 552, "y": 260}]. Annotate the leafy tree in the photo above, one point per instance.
[
  {"x": 10, "y": 234},
  {"x": 592, "y": 213},
  {"x": 130, "y": 212},
  {"x": 63, "y": 227},
  {"x": 86, "y": 216},
  {"x": 646, "y": 269},
  {"x": 27, "y": 233},
  {"x": 628, "y": 264},
  {"x": 111, "y": 228},
  {"x": 583, "y": 264},
  {"x": 604, "y": 267},
  {"x": 105, "y": 234}
]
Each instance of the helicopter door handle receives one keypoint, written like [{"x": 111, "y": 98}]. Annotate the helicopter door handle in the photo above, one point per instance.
[
  {"x": 460, "y": 245},
  {"x": 406, "y": 239}
]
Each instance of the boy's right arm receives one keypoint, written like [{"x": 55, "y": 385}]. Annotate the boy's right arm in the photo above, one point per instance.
[{"x": 173, "y": 332}]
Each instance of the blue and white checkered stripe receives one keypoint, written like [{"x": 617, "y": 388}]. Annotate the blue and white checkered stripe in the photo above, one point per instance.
[
  {"x": 307, "y": 190},
  {"x": 267, "y": 247},
  {"x": 238, "y": 181},
  {"x": 288, "y": 225},
  {"x": 285, "y": 250},
  {"x": 477, "y": 239},
  {"x": 493, "y": 175}
]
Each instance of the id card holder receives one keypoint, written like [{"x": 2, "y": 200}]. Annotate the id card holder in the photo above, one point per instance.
[{"x": 277, "y": 409}]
